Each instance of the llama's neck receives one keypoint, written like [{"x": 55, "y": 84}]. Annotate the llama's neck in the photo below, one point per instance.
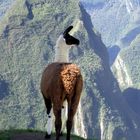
[
  {"x": 61, "y": 51},
  {"x": 61, "y": 55}
]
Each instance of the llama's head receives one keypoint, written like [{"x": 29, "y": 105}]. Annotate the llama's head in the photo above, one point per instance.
[
  {"x": 63, "y": 44},
  {"x": 70, "y": 40}
]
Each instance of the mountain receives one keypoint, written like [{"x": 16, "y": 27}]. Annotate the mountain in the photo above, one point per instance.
[
  {"x": 4, "y": 6},
  {"x": 126, "y": 70},
  {"x": 113, "y": 18},
  {"x": 128, "y": 59},
  {"x": 118, "y": 23},
  {"x": 28, "y": 32}
]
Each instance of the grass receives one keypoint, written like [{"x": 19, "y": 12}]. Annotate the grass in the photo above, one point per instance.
[{"x": 7, "y": 134}]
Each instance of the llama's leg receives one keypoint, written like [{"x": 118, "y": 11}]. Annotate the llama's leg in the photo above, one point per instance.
[
  {"x": 72, "y": 107},
  {"x": 73, "y": 104},
  {"x": 49, "y": 117},
  {"x": 58, "y": 121},
  {"x": 64, "y": 116},
  {"x": 69, "y": 121}
]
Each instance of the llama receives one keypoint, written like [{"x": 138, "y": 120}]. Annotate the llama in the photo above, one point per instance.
[{"x": 61, "y": 81}]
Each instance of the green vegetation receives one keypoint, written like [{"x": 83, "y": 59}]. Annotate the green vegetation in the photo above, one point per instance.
[
  {"x": 131, "y": 57},
  {"x": 15, "y": 12},
  {"x": 8, "y": 134}
]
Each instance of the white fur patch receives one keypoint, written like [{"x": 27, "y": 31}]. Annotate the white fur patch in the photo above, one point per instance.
[
  {"x": 64, "y": 115},
  {"x": 49, "y": 123},
  {"x": 65, "y": 110},
  {"x": 61, "y": 50}
]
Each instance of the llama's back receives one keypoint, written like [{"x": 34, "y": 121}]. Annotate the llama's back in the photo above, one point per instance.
[{"x": 58, "y": 77}]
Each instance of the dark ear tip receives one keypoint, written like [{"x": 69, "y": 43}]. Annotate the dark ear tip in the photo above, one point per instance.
[
  {"x": 68, "y": 30},
  {"x": 70, "y": 27}
]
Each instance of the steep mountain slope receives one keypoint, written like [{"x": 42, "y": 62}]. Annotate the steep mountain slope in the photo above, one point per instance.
[
  {"x": 27, "y": 38},
  {"x": 117, "y": 21},
  {"x": 126, "y": 69},
  {"x": 4, "y": 6},
  {"x": 130, "y": 57},
  {"x": 119, "y": 25},
  {"x": 119, "y": 32},
  {"x": 113, "y": 18}
]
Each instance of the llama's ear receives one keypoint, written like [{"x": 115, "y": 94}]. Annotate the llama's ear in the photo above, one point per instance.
[{"x": 67, "y": 30}]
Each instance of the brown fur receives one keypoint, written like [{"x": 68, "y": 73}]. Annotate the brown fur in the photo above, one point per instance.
[
  {"x": 62, "y": 81},
  {"x": 69, "y": 73}
]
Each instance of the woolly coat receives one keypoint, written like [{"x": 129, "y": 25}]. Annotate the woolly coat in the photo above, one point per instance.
[{"x": 59, "y": 81}]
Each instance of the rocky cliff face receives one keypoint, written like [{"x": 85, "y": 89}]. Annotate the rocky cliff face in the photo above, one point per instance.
[
  {"x": 113, "y": 18},
  {"x": 28, "y": 35},
  {"x": 119, "y": 25},
  {"x": 128, "y": 73},
  {"x": 121, "y": 73}
]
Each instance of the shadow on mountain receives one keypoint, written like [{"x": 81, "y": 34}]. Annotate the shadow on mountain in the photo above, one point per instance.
[
  {"x": 113, "y": 53},
  {"x": 132, "y": 96},
  {"x": 130, "y": 36},
  {"x": 95, "y": 41},
  {"x": 4, "y": 88},
  {"x": 29, "y": 7}
]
